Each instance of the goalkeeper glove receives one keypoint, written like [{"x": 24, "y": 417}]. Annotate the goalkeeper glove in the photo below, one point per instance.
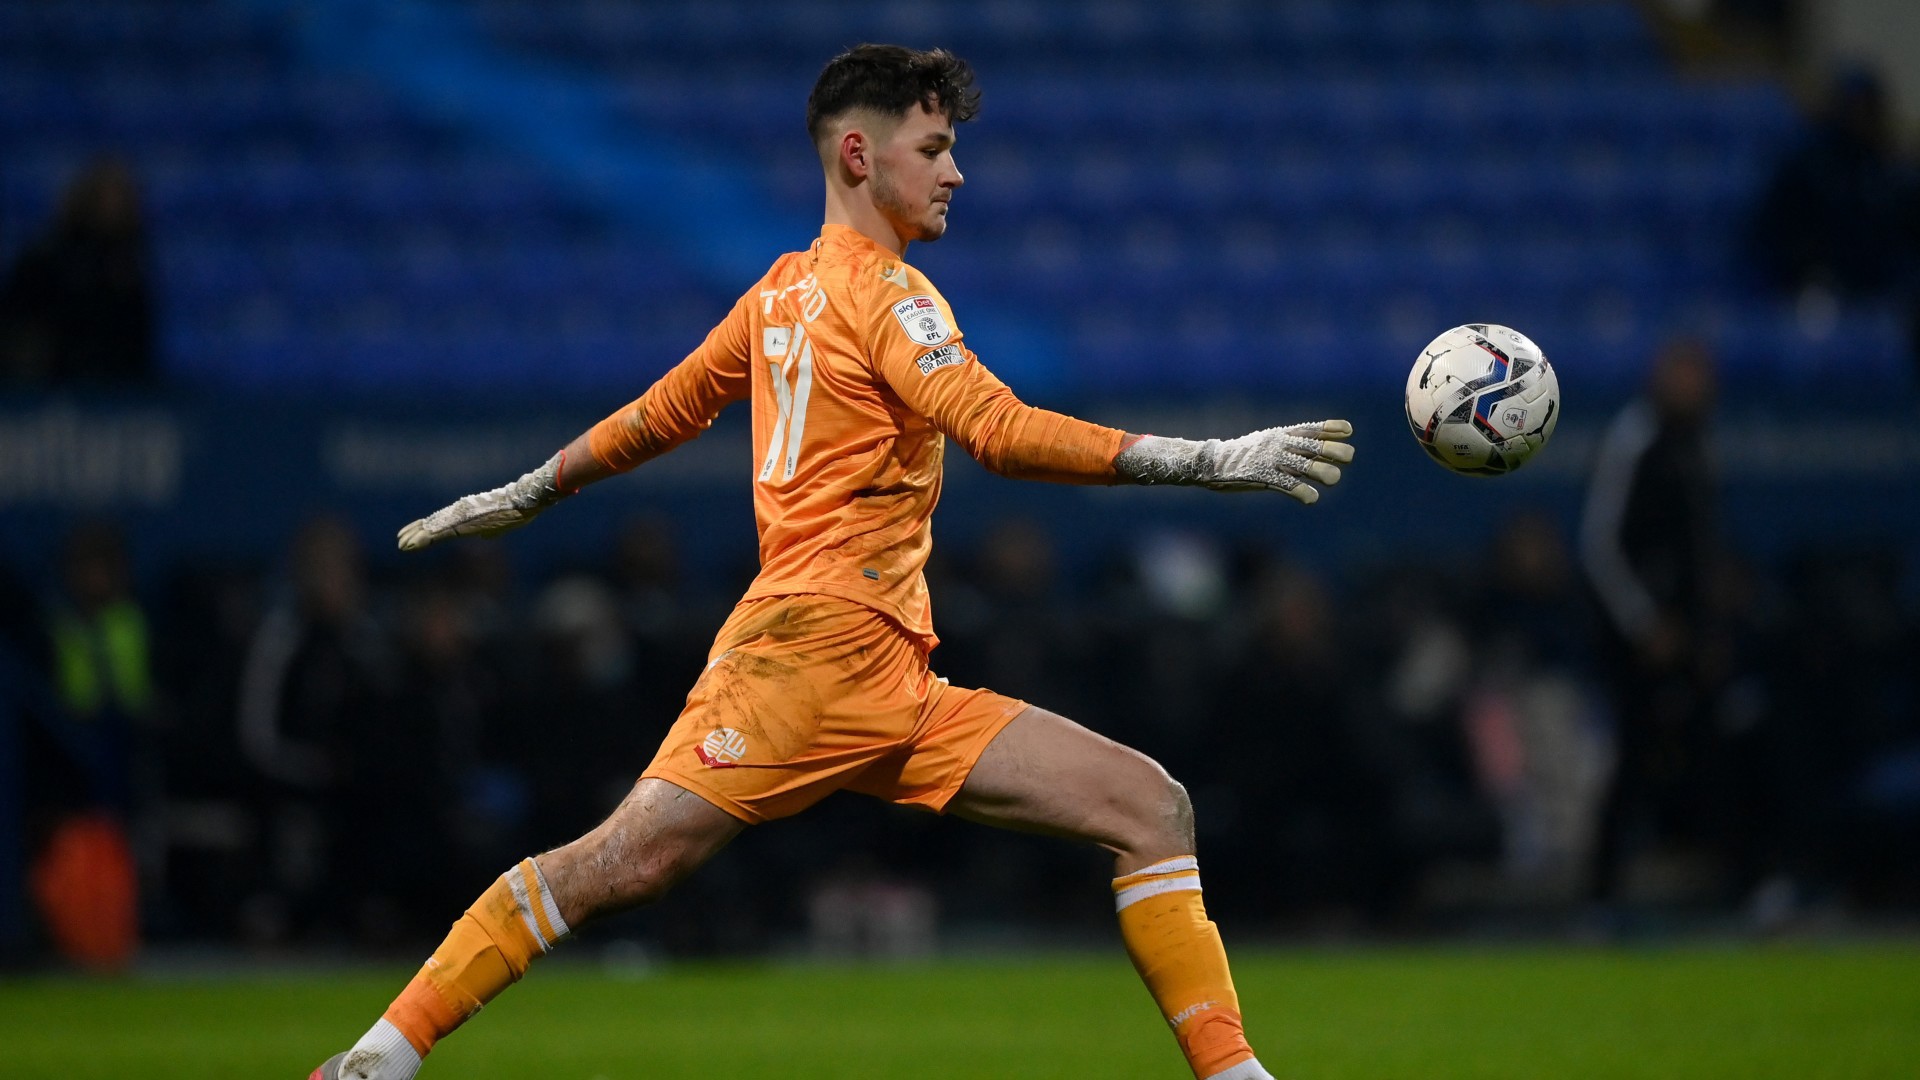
[
  {"x": 489, "y": 513},
  {"x": 1274, "y": 459}
]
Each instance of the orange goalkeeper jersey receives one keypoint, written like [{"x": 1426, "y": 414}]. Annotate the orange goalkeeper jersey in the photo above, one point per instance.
[{"x": 856, "y": 369}]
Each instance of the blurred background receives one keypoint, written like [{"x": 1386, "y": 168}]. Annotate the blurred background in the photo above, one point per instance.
[{"x": 281, "y": 276}]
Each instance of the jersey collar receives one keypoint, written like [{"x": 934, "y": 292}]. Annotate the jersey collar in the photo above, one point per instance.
[{"x": 849, "y": 238}]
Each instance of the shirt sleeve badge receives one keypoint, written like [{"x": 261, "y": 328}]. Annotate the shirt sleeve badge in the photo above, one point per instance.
[{"x": 923, "y": 320}]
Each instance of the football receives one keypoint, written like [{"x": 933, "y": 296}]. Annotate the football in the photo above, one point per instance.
[{"x": 1482, "y": 399}]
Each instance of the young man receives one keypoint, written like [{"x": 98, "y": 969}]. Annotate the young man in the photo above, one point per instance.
[{"x": 819, "y": 681}]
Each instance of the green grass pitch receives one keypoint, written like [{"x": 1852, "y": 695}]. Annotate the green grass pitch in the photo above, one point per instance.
[{"x": 1383, "y": 1014}]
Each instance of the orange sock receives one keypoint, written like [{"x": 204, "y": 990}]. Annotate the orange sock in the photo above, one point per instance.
[
  {"x": 1177, "y": 951},
  {"x": 488, "y": 950}
]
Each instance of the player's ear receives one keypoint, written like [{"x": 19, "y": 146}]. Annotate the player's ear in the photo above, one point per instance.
[{"x": 856, "y": 153}]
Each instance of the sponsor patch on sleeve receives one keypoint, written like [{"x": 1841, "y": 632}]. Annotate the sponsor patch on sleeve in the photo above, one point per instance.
[
  {"x": 944, "y": 356},
  {"x": 920, "y": 317}
]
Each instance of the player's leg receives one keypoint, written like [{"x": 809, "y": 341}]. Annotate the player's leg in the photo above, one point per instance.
[
  {"x": 660, "y": 833},
  {"x": 1045, "y": 773},
  {"x": 765, "y": 733},
  {"x": 657, "y": 836}
]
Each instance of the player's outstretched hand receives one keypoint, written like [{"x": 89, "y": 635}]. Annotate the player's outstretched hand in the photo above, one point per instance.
[
  {"x": 1280, "y": 459},
  {"x": 489, "y": 513}
]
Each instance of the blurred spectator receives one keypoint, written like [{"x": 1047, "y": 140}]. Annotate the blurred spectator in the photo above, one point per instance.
[
  {"x": 1708, "y": 29},
  {"x": 647, "y": 572},
  {"x": 1533, "y": 719},
  {"x": 668, "y": 619},
  {"x": 859, "y": 909},
  {"x": 478, "y": 582},
  {"x": 1649, "y": 538},
  {"x": 83, "y": 757},
  {"x": 1167, "y": 609},
  {"x": 1772, "y": 23},
  {"x": 1755, "y": 793},
  {"x": 1841, "y": 215},
  {"x": 1422, "y": 747},
  {"x": 581, "y": 696},
  {"x": 317, "y": 658},
  {"x": 439, "y": 793},
  {"x": 207, "y": 614},
  {"x": 1410, "y": 633},
  {"x": 314, "y": 709},
  {"x": 1315, "y": 806},
  {"x": 77, "y": 306},
  {"x": 1014, "y": 625},
  {"x": 1844, "y": 684},
  {"x": 98, "y": 630}
]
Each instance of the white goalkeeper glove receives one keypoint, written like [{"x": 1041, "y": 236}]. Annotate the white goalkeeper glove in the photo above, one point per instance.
[
  {"x": 489, "y": 513},
  {"x": 1274, "y": 459}
]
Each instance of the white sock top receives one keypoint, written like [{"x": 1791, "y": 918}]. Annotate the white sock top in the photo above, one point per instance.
[
  {"x": 381, "y": 1054},
  {"x": 1249, "y": 1069}
]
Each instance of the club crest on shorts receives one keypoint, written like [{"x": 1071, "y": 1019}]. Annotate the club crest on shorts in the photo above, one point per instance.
[
  {"x": 920, "y": 317},
  {"x": 722, "y": 749}
]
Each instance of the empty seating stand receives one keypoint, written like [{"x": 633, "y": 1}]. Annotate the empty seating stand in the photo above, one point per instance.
[{"x": 1288, "y": 194}]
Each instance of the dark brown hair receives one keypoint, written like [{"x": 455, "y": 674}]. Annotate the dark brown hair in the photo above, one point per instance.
[{"x": 890, "y": 80}]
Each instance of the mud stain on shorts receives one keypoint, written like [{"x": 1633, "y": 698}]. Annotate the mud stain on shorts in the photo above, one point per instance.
[{"x": 769, "y": 700}]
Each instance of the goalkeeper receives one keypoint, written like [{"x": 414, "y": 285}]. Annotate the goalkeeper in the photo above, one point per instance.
[{"x": 819, "y": 680}]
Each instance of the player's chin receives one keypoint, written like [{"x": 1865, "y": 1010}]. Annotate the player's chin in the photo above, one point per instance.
[{"x": 933, "y": 228}]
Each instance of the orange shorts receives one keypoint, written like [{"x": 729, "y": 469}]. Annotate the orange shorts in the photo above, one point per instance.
[{"x": 805, "y": 695}]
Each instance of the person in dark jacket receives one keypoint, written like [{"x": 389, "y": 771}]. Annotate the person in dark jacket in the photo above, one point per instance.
[
  {"x": 1649, "y": 539},
  {"x": 78, "y": 306},
  {"x": 1841, "y": 213}
]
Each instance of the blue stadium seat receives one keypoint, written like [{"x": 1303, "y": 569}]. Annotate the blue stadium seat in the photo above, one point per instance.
[{"x": 1325, "y": 165}]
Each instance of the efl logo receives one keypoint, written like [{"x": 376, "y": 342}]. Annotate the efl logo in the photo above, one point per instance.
[
  {"x": 1513, "y": 418},
  {"x": 920, "y": 317},
  {"x": 723, "y": 748}
]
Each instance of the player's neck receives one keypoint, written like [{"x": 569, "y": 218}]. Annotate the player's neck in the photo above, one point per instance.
[{"x": 864, "y": 218}]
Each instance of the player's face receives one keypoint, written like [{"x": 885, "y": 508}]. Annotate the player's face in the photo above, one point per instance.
[{"x": 914, "y": 175}]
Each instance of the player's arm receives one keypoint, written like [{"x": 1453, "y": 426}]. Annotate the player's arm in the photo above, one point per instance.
[
  {"x": 971, "y": 406},
  {"x": 945, "y": 382},
  {"x": 1015, "y": 439},
  {"x": 675, "y": 409}
]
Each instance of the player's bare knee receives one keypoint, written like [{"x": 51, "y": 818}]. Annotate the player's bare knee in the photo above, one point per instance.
[
  {"x": 1180, "y": 815},
  {"x": 1174, "y": 820},
  {"x": 1159, "y": 819}
]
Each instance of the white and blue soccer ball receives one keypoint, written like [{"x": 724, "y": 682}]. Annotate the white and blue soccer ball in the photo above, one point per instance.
[{"x": 1482, "y": 399}]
